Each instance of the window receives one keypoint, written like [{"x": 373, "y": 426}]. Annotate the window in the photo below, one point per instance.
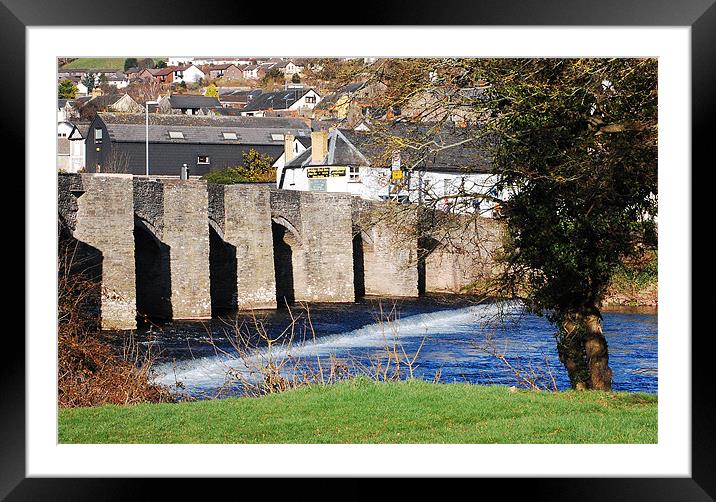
[
  {"x": 353, "y": 173},
  {"x": 176, "y": 135},
  {"x": 310, "y": 99},
  {"x": 202, "y": 159},
  {"x": 98, "y": 135},
  {"x": 230, "y": 135}
]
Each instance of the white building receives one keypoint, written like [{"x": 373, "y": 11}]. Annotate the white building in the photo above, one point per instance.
[
  {"x": 188, "y": 74},
  {"x": 297, "y": 101},
  {"x": 336, "y": 162}
]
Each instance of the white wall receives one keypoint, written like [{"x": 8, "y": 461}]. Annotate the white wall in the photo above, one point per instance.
[
  {"x": 77, "y": 155},
  {"x": 301, "y": 104},
  {"x": 373, "y": 184},
  {"x": 193, "y": 74}
]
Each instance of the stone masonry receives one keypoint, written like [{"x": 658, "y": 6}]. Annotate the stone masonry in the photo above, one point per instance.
[
  {"x": 321, "y": 246},
  {"x": 186, "y": 232},
  {"x": 389, "y": 252},
  {"x": 105, "y": 220},
  {"x": 244, "y": 216}
]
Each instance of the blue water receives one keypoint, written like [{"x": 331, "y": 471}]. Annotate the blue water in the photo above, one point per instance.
[{"x": 452, "y": 340}]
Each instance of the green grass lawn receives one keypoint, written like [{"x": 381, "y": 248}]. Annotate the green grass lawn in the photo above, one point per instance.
[
  {"x": 98, "y": 64},
  {"x": 362, "y": 411}
]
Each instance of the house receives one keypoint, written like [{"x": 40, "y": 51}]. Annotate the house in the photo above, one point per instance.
[
  {"x": 163, "y": 75},
  {"x": 448, "y": 174},
  {"x": 226, "y": 71},
  {"x": 288, "y": 68},
  {"x": 188, "y": 74},
  {"x": 65, "y": 110},
  {"x": 235, "y": 98},
  {"x": 254, "y": 72},
  {"x": 354, "y": 99},
  {"x": 117, "y": 79},
  {"x": 179, "y": 60},
  {"x": 77, "y": 147},
  {"x": 121, "y": 103},
  {"x": 187, "y": 104},
  {"x": 116, "y": 142},
  {"x": 295, "y": 101}
]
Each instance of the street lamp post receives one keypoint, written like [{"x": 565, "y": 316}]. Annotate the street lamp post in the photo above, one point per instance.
[{"x": 146, "y": 114}]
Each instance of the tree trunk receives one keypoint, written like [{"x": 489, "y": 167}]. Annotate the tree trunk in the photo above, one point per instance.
[
  {"x": 582, "y": 349},
  {"x": 570, "y": 348},
  {"x": 595, "y": 349}
]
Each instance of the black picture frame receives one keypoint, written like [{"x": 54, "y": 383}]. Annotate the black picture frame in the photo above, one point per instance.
[{"x": 699, "y": 15}]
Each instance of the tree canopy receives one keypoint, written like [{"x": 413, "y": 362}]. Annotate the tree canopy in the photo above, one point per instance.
[
  {"x": 66, "y": 90},
  {"x": 576, "y": 150},
  {"x": 130, "y": 63}
]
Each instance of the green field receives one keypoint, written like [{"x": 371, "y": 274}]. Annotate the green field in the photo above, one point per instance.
[
  {"x": 100, "y": 63},
  {"x": 362, "y": 411}
]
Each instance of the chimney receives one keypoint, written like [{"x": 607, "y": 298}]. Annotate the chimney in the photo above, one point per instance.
[
  {"x": 319, "y": 146},
  {"x": 288, "y": 148}
]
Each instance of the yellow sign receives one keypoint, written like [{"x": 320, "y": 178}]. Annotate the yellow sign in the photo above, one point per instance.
[
  {"x": 338, "y": 171},
  {"x": 318, "y": 172},
  {"x": 396, "y": 175}
]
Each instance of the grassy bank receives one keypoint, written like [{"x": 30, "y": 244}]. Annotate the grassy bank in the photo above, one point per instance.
[
  {"x": 99, "y": 64},
  {"x": 361, "y": 411}
]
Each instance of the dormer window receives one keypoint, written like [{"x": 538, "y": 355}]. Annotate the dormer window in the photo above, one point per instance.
[{"x": 176, "y": 135}]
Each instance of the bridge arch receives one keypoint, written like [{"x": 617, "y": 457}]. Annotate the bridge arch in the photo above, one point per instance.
[
  {"x": 287, "y": 248},
  {"x": 152, "y": 265},
  {"x": 223, "y": 269},
  {"x": 363, "y": 247}
]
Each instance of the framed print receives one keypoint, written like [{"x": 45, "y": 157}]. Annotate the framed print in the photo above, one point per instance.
[{"x": 36, "y": 464}]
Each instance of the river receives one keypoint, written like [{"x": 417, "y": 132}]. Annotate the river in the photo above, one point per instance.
[{"x": 451, "y": 339}]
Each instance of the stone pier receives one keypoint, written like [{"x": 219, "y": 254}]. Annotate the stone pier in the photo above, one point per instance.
[{"x": 104, "y": 219}]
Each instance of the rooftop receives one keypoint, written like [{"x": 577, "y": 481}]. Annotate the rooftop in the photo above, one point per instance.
[{"x": 130, "y": 127}]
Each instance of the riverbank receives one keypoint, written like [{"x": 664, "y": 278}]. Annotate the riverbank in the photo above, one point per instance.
[{"x": 362, "y": 411}]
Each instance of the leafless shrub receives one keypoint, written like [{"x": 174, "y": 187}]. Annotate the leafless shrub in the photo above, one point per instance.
[
  {"x": 91, "y": 371},
  {"x": 265, "y": 364},
  {"x": 526, "y": 375}
]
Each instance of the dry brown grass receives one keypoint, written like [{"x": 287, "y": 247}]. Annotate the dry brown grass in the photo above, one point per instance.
[{"x": 92, "y": 371}]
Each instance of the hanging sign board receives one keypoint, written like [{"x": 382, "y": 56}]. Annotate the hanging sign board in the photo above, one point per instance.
[
  {"x": 337, "y": 172},
  {"x": 397, "y": 175}
]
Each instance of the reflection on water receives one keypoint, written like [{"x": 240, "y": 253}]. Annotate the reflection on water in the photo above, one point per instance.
[{"x": 449, "y": 338}]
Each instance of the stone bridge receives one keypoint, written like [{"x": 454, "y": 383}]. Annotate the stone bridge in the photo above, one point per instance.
[{"x": 172, "y": 249}]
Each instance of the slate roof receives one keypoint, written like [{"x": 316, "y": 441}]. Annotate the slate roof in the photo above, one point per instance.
[
  {"x": 359, "y": 148},
  {"x": 181, "y": 101},
  {"x": 130, "y": 127},
  {"x": 279, "y": 100},
  {"x": 328, "y": 101},
  {"x": 82, "y": 128},
  {"x": 341, "y": 152}
]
